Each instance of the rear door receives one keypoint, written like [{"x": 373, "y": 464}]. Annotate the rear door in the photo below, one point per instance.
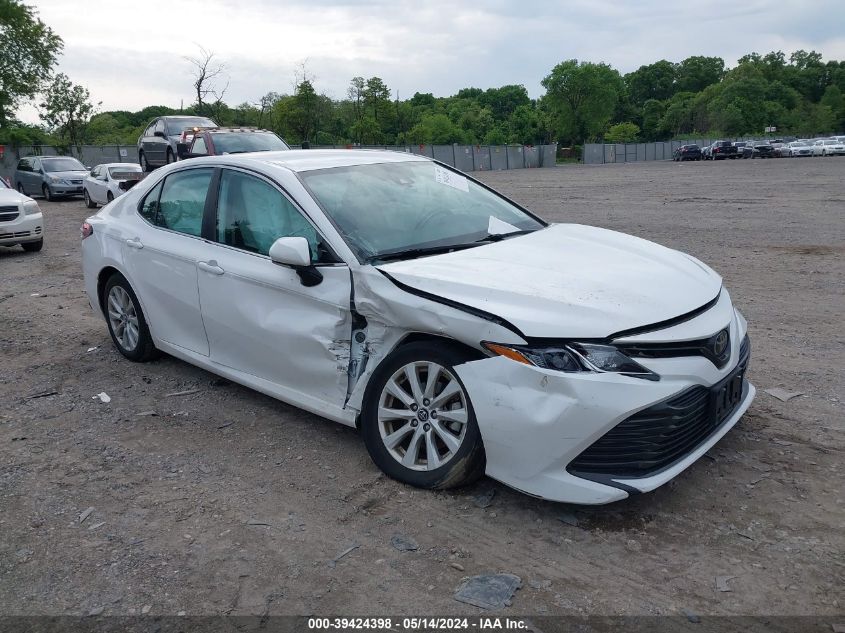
[
  {"x": 161, "y": 260},
  {"x": 260, "y": 318}
]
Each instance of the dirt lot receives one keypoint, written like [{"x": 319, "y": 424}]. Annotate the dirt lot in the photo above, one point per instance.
[{"x": 226, "y": 501}]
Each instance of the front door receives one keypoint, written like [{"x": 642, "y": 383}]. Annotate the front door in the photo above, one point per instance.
[{"x": 259, "y": 317}]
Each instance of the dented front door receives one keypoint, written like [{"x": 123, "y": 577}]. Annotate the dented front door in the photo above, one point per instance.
[{"x": 261, "y": 320}]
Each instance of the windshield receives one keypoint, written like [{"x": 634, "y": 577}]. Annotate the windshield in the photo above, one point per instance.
[
  {"x": 61, "y": 164},
  {"x": 126, "y": 172},
  {"x": 390, "y": 207},
  {"x": 232, "y": 142},
  {"x": 177, "y": 126}
]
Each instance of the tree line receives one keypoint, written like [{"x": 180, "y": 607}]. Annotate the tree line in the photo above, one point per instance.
[{"x": 584, "y": 101}]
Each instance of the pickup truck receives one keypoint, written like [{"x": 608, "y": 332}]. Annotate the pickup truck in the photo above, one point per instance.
[
  {"x": 720, "y": 150},
  {"x": 225, "y": 140}
]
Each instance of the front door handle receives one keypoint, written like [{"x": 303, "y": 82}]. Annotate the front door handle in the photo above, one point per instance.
[
  {"x": 134, "y": 243},
  {"x": 211, "y": 267}
]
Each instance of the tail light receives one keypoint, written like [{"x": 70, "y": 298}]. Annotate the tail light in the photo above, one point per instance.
[{"x": 86, "y": 230}]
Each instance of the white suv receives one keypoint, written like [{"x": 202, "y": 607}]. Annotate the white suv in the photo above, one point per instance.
[{"x": 21, "y": 221}]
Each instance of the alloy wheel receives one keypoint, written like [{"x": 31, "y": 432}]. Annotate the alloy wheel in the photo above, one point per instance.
[
  {"x": 423, "y": 415},
  {"x": 123, "y": 318}
]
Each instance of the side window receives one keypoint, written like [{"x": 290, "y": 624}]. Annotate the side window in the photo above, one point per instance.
[
  {"x": 36, "y": 165},
  {"x": 199, "y": 146},
  {"x": 150, "y": 129},
  {"x": 159, "y": 127},
  {"x": 24, "y": 165},
  {"x": 252, "y": 214},
  {"x": 149, "y": 208},
  {"x": 182, "y": 201}
]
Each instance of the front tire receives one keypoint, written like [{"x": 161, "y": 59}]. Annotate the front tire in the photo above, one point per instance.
[
  {"x": 88, "y": 202},
  {"x": 127, "y": 325},
  {"x": 20, "y": 188},
  {"x": 145, "y": 166},
  {"x": 418, "y": 422},
  {"x": 170, "y": 157},
  {"x": 33, "y": 247},
  {"x": 109, "y": 196},
  {"x": 48, "y": 194}
]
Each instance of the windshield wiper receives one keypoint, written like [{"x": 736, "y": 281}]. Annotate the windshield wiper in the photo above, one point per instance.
[
  {"x": 410, "y": 253},
  {"x": 498, "y": 237}
]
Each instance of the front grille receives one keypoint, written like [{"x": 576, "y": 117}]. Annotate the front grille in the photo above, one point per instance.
[
  {"x": 7, "y": 214},
  {"x": 674, "y": 349},
  {"x": 657, "y": 437},
  {"x": 4, "y": 236},
  {"x": 76, "y": 182}
]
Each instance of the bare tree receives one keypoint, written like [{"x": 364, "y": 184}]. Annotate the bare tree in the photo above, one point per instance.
[{"x": 208, "y": 80}]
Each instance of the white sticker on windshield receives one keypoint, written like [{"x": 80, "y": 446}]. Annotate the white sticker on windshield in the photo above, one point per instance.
[
  {"x": 450, "y": 178},
  {"x": 495, "y": 226}
]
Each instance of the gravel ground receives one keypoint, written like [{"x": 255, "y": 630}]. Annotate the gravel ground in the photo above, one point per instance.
[{"x": 223, "y": 501}]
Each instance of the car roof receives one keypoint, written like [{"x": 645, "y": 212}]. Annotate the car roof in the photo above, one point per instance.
[
  {"x": 300, "y": 160},
  {"x": 117, "y": 165}
]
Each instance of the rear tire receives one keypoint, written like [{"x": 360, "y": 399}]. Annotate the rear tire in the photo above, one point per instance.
[
  {"x": 145, "y": 166},
  {"x": 127, "y": 325},
  {"x": 33, "y": 247},
  {"x": 428, "y": 440}
]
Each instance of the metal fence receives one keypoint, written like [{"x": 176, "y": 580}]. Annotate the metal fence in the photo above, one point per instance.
[
  {"x": 599, "y": 153},
  {"x": 463, "y": 157}
]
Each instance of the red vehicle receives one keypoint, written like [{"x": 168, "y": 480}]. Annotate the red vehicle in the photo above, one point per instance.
[{"x": 227, "y": 140}]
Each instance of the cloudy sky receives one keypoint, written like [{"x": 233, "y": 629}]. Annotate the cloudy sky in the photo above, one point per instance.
[{"x": 131, "y": 54}]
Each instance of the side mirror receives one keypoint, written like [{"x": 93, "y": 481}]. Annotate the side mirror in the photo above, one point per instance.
[
  {"x": 296, "y": 253},
  {"x": 158, "y": 133}
]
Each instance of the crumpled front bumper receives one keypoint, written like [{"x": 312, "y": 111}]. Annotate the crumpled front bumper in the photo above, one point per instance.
[{"x": 534, "y": 422}]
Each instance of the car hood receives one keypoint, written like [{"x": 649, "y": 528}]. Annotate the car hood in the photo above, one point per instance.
[
  {"x": 566, "y": 281},
  {"x": 10, "y": 196}
]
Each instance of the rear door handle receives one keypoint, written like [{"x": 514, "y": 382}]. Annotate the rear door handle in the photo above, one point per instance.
[
  {"x": 211, "y": 267},
  {"x": 135, "y": 243}
]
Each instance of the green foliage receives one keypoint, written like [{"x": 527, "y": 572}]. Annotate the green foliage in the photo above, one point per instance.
[
  {"x": 29, "y": 52},
  {"x": 581, "y": 98},
  {"x": 66, "y": 109},
  {"x": 622, "y": 133}
]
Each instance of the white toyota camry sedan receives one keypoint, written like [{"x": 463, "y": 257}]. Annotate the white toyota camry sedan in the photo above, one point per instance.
[{"x": 461, "y": 333}]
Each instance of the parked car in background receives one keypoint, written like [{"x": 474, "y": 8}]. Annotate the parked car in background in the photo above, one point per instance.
[
  {"x": 762, "y": 149},
  {"x": 21, "y": 220},
  {"x": 157, "y": 144},
  {"x": 777, "y": 146},
  {"x": 49, "y": 176},
  {"x": 800, "y": 147},
  {"x": 829, "y": 147},
  {"x": 110, "y": 180},
  {"x": 687, "y": 152},
  {"x": 721, "y": 150},
  {"x": 740, "y": 147},
  {"x": 218, "y": 141},
  {"x": 461, "y": 333}
]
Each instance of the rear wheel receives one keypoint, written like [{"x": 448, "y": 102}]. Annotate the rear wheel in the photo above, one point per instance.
[
  {"x": 127, "y": 325},
  {"x": 417, "y": 421},
  {"x": 33, "y": 247},
  {"x": 88, "y": 202}
]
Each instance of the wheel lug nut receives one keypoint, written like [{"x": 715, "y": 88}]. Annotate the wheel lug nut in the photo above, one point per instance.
[
  {"x": 433, "y": 415},
  {"x": 426, "y": 401},
  {"x": 426, "y": 427},
  {"x": 414, "y": 423},
  {"x": 414, "y": 407}
]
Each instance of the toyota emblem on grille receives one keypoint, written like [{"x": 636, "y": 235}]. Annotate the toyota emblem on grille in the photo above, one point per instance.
[{"x": 720, "y": 344}]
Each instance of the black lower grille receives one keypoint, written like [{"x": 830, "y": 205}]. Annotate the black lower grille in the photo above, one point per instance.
[
  {"x": 657, "y": 437},
  {"x": 8, "y": 216}
]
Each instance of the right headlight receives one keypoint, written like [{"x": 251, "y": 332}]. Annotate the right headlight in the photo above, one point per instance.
[
  {"x": 572, "y": 357},
  {"x": 30, "y": 207}
]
